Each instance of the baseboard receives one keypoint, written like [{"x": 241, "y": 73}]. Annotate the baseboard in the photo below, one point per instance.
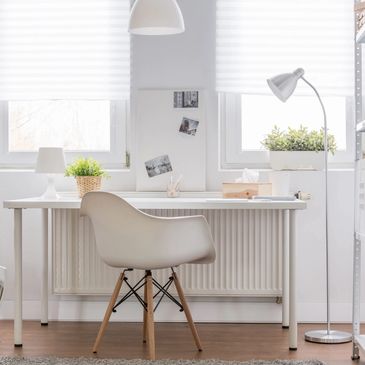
[
  {"x": 132, "y": 312},
  {"x": 203, "y": 311}
]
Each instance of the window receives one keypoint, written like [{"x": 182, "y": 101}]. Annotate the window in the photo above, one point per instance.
[
  {"x": 299, "y": 110},
  {"x": 82, "y": 127},
  {"x": 245, "y": 123},
  {"x": 75, "y": 125},
  {"x": 65, "y": 78},
  {"x": 252, "y": 46}
]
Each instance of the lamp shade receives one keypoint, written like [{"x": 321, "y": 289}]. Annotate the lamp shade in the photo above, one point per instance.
[
  {"x": 156, "y": 17},
  {"x": 284, "y": 85},
  {"x": 50, "y": 160}
]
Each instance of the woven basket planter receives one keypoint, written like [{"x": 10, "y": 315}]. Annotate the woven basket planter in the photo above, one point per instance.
[{"x": 85, "y": 184}]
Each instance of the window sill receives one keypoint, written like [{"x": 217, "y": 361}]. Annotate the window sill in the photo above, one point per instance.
[
  {"x": 23, "y": 169},
  {"x": 331, "y": 167}
]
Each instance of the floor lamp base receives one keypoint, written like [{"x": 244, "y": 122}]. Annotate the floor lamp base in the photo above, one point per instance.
[{"x": 330, "y": 337}]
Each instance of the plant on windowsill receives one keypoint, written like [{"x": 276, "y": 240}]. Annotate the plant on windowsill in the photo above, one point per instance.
[
  {"x": 88, "y": 174},
  {"x": 297, "y": 149}
]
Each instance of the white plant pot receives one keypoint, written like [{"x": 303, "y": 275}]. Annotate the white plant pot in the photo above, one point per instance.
[{"x": 296, "y": 160}]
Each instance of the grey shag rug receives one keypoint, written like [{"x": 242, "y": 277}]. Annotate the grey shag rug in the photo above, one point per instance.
[{"x": 87, "y": 361}]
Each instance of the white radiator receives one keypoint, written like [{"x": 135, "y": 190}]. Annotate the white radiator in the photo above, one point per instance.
[{"x": 248, "y": 244}]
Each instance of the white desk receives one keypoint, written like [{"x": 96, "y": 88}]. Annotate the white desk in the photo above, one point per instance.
[{"x": 156, "y": 201}]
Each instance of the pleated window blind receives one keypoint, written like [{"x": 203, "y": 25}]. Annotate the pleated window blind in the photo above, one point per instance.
[
  {"x": 64, "y": 49},
  {"x": 258, "y": 39}
]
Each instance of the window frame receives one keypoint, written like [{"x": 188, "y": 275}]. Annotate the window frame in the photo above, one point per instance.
[
  {"x": 230, "y": 126},
  {"x": 116, "y": 158}
]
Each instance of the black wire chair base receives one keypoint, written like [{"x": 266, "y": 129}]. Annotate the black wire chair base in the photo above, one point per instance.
[{"x": 162, "y": 289}]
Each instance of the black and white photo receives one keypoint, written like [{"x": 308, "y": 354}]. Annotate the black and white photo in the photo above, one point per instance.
[
  {"x": 158, "y": 166},
  {"x": 189, "y": 126},
  {"x": 186, "y": 99}
]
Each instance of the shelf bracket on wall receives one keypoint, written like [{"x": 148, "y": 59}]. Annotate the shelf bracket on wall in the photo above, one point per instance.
[
  {"x": 358, "y": 130},
  {"x": 358, "y": 99}
]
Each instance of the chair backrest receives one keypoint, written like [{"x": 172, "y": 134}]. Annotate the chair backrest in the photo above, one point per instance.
[{"x": 127, "y": 237}]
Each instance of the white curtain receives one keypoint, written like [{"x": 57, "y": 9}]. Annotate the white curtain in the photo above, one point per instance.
[
  {"x": 64, "y": 49},
  {"x": 259, "y": 39}
]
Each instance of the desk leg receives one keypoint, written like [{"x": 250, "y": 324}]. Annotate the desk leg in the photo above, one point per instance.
[
  {"x": 293, "y": 330},
  {"x": 44, "y": 290},
  {"x": 285, "y": 273},
  {"x": 18, "y": 315}
]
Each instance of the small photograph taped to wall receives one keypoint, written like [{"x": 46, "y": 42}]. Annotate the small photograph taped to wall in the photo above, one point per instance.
[
  {"x": 158, "y": 166},
  {"x": 186, "y": 99},
  {"x": 189, "y": 126}
]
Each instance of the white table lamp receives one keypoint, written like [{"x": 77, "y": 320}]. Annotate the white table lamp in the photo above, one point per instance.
[
  {"x": 283, "y": 87},
  {"x": 156, "y": 17},
  {"x": 50, "y": 161}
]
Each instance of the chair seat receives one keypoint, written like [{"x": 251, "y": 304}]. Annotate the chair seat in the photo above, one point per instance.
[{"x": 161, "y": 265}]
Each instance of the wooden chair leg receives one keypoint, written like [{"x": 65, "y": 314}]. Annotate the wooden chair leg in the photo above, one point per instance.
[
  {"x": 108, "y": 312},
  {"x": 145, "y": 316},
  {"x": 150, "y": 322},
  {"x": 187, "y": 311}
]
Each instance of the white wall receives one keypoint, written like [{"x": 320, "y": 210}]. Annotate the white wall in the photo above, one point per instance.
[{"x": 188, "y": 61}]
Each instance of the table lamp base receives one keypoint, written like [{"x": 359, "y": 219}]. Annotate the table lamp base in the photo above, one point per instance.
[{"x": 50, "y": 193}]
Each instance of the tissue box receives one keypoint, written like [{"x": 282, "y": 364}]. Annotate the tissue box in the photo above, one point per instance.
[{"x": 246, "y": 190}]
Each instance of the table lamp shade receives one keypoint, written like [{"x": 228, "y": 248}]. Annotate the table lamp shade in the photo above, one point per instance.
[
  {"x": 50, "y": 160},
  {"x": 156, "y": 17},
  {"x": 284, "y": 85}
]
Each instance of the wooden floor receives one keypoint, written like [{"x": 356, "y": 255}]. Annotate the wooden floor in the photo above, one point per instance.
[{"x": 124, "y": 340}]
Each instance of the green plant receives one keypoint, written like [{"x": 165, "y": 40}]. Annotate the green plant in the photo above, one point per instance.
[
  {"x": 85, "y": 167},
  {"x": 300, "y": 139}
]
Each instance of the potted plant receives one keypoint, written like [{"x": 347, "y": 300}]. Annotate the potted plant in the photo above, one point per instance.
[
  {"x": 297, "y": 148},
  {"x": 88, "y": 174}
]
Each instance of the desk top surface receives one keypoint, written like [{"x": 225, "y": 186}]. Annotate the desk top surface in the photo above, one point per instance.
[{"x": 141, "y": 200}]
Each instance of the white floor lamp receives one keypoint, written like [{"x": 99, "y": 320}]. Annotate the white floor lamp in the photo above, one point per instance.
[{"x": 283, "y": 87}]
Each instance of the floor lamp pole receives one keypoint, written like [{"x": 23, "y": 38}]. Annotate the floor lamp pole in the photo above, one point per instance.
[{"x": 326, "y": 336}]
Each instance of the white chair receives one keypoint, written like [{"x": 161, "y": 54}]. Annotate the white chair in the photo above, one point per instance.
[{"x": 127, "y": 238}]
